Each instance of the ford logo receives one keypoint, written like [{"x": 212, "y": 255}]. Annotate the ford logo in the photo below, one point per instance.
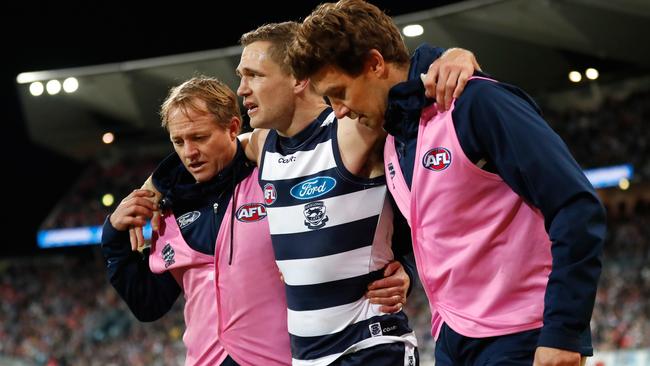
[{"x": 312, "y": 188}]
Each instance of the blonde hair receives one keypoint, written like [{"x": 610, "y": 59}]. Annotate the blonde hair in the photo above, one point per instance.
[
  {"x": 219, "y": 99},
  {"x": 280, "y": 35}
]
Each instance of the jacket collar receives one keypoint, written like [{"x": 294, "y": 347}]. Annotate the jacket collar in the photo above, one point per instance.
[
  {"x": 176, "y": 184},
  {"x": 406, "y": 99}
]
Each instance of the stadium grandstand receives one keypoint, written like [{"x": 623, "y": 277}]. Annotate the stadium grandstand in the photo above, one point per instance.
[{"x": 57, "y": 307}]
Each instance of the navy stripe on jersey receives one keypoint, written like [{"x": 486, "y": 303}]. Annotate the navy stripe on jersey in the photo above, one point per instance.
[
  {"x": 304, "y": 140},
  {"x": 309, "y": 348},
  {"x": 331, "y": 238},
  {"x": 340, "y": 238},
  {"x": 329, "y": 294}
]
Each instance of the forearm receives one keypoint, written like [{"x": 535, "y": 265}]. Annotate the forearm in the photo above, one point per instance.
[
  {"x": 148, "y": 295},
  {"x": 577, "y": 232},
  {"x": 403, "y": 246}
]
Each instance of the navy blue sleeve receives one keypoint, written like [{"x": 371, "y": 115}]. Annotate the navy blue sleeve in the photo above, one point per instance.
[
  {"x": 148, "y": 295},
  {"x": 501, "y": 124},
  {"x": 402, "y": 244}
]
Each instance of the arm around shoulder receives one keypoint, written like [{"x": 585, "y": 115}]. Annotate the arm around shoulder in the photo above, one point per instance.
[{"x": 255, "y": 145}]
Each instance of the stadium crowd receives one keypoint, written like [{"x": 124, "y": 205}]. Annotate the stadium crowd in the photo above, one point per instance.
[
  {"x": 82, "y": 204},
  {"x": 61, "y": 310},
  {"x": 616, "y": 133}
]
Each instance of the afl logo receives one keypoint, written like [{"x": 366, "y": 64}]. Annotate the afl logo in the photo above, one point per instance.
[
  {"x": 269, "y": 194},
  {"x": 250, "y": 212},
  {"x": 312, "y": 188},
  {"x": 437, "y": 159}
]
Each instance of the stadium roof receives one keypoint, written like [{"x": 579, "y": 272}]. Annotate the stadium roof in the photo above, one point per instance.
[{"x": 533, "y": 44}]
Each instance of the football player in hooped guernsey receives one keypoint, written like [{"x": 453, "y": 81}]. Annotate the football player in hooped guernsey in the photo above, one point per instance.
[
  {"x": 507, "y": 231},
  {"x": 329, "y": 214}
]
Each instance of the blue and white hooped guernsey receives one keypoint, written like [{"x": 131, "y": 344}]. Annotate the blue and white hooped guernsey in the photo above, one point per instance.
[{"x": 331, "y": 234}]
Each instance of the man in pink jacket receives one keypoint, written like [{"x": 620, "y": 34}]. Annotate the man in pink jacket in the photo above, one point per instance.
[
  {"x": 507, "y": 231},
  {"x": 213, "y": 242}
]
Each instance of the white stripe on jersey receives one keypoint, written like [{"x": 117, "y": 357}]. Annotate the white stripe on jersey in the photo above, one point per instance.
[
  {"x": 409, "y": 340},
  {"x": 298, "y": 164},
  {"x": 311, "y": 323},
  {"x": 310, "y": 271},
  {"x": 339, "y": 210},
  {"x": 329, "y": 119}
]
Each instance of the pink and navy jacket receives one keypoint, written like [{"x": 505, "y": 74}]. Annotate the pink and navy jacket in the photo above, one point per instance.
[
  {"x": 234, "y": 299},
  {"x": 483, "y": 254},
  {"x": 481, "y": 235}
]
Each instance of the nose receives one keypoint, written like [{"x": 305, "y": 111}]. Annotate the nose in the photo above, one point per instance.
[
  {"x": 243, "y": 89},
  {"x": 190, "y": 151},
  {"x": 340, "y": 110}
]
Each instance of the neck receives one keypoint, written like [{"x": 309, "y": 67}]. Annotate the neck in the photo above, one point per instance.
[
  {"x": 397, "y": 74},
  {"x": 308, "y": 107}
]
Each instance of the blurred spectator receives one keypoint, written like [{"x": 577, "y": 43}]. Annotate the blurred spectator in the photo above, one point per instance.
[
  {"x": 622, "y": 314},
  {"x": 62, "y": 311},
  {"x": 617, "y": 133},
  {"x": 82, "y": 206}
]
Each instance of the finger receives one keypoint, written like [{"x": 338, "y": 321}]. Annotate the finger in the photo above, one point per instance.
[
  {"x": 133, "y": 240},
  {"x": 427, "y": 81},
  {"x": 135, "y": 211},
  {"x": 138, "y": 193},
  {"x": 390, "y": 301},
  {"x": 137, "y": 221},
  {"x": 391, "y": 268},
  {"x": 432, "y": 78},
  {"x": 390, "y": 309},
  {"x": 452, "y": 81},
  {"x": 386, "y": 283},
  {"x": 147, "y": 202},
  {"x": 385, "y": 292},
  {"x": 443, "y": 75},
  {"x": 399, "y": 290},
  {"x": 149, "y": 186},
  {"x": 155, "y": 220},
  {"x": 462, "y": 82},
  {"x": 139, "y": 236}
]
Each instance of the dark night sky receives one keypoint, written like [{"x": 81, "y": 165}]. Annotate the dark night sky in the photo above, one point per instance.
[{"x": 72, "y": 35}]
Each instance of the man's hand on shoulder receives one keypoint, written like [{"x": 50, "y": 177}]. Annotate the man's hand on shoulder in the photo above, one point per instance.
[{"x": 448, "y": 75}]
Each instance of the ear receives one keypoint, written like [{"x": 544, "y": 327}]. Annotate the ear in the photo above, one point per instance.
[
  {"x": 234, "y": 127},
  {"x": 375, "y": 63},
  {"x": 300, "y": 85}
]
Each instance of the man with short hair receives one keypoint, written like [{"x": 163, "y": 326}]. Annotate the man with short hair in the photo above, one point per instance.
[
  {"x": 212, "y": 244},
  {"x": 507, "y": 231}
]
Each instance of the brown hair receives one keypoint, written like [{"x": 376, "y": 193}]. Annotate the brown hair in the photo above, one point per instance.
[
  {"x": 220, "y": 100},
  {"x": 280, "y": 35},
  {"x": 341, "y": 35}
]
